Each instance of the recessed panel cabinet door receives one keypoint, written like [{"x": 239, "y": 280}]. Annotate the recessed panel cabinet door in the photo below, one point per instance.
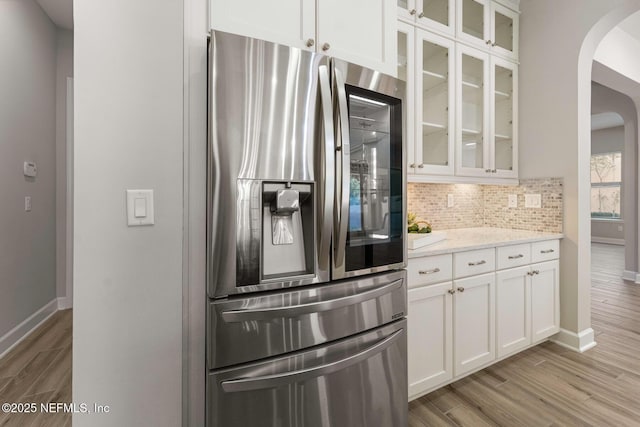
[
  {"x": 545, "y": 300},
  {"x": 288, "y": 22},
  {"x": 430, "y": 342},
  {"x": 474, "y": 322},
  {"x": 513, "y": 310},
  {"x": 359, "y": 31}
]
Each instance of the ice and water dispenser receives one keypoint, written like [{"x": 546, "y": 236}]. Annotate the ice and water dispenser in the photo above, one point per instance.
[{"x": 287, "y": 230}]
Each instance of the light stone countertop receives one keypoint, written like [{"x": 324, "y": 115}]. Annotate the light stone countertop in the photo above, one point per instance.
[{"x": 465, "y": 239}]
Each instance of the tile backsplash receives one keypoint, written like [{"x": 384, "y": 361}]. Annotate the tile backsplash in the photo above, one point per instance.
[{"x": 476, "y": 205}]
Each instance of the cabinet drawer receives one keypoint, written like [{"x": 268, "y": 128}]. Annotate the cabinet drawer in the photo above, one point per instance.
[
  {"x": 545, "y": 251},
  {"x": 474, "y": 262},
  {"x": 513, "y": 256},
  {"x": 429, "y": 270}
]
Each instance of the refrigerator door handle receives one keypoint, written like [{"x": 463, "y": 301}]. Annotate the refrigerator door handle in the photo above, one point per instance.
[
  {"x": 243, "y": 315},
  {"x": 328, "y": 172},
  {"x": 343, "y": 149},
  {"x": 285, "y": 378}
]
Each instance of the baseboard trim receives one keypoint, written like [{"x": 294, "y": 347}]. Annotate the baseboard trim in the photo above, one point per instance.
[
  {"x": 631, "y": 276},
  {"x": 65, "y": 303},
  {"x": 607, "y": 240},
  {"x": 20, "y": 332},
  {"x": 578, "y": 342}
]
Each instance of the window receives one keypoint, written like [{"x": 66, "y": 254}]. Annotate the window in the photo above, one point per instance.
[{"x": 606, "y": 185}]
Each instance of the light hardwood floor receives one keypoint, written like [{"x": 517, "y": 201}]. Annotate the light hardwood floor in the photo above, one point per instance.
[
  {"x": 38, "y": 370},
  {"x": 548, "y": 385}
]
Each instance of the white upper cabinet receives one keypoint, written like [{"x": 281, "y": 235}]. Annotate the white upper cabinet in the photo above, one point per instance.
[
  {"x": 358, "y": 31},
  {"x": 437, "y": 15},
  {"x": 488, "y": 25},
  {"x": 486, "y": 108},
  {"x": 426, "y": 62},
  {"x": 289, "y": 22}
]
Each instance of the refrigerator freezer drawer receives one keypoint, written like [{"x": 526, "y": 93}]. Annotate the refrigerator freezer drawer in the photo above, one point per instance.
[
  {"x": 360, "y": 381},
  {"x": 264, "y": 325}
]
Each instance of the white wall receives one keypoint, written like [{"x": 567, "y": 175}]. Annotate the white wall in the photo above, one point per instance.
[
  {"x": 556, "y": 50},
  {"x": 27, "y": 132},
  {"x": 127, "y": 323},
  {"x": 64, "y": 69}
]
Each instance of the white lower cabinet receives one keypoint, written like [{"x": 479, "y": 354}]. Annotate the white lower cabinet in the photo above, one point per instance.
[
  {"x": 430, "y": 337},
  {"x": 513, "y": 310},
  {"x": 473, "y": 322},
  {"x": 527, "y": 306},
  {"x": 545, "y": 300},
  {"x": 459, "y": 326}
]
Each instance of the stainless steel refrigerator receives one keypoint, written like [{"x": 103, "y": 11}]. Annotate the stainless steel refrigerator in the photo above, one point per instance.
[{"x": 305, "y": 240}]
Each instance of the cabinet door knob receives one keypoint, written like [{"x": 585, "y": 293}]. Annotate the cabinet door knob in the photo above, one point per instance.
[
  {"x": 451, "y": 291},
  {"x": 310, "y": 42},
  {"x": 488, "y": 42},
  {"x": 487, "y": 170},
  {"x": 494, "y": 170},
  {"x": 412, "y": 165},
  {"x": 421, "y": 15},
  {"x": 412, "y": 12},
  {"x": 493, "y": 44},
  {"x": 536, "y": 271},
  {"x": 529, "y": 273},
  {"x": 460, "y": 289},
  {"x": 326, "y": 47},
  {"x": 421, "y": 165}
]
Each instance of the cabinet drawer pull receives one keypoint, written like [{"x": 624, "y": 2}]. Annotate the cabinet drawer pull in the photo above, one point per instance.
[
  {"x": 548, "y": 251},
  {"x": 451, "y": 291},
  {"x": 472, "y": 264},
  {"x": 516, "y": 256},
  {"x": 434, "y": 270},
  {"x": 460, "y": 289}
]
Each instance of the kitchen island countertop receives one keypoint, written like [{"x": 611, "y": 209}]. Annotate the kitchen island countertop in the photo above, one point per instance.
[{"x": 465, "y": 239}]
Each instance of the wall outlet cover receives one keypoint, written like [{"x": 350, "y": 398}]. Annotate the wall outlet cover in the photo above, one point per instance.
[
  {"x": 532, "y": 200},
  {"x": 513, "y": 201},
  {"x": 449, "y": 200}
]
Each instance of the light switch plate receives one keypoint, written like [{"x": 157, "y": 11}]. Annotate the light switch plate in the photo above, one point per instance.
[
  {"x": 449, "y": 200},
  {"x": 143, "y": 200},
  {"x": 532, "y": 200},
  {"x": 513, "y": 201},
  {"x": 27, "y": 203}
]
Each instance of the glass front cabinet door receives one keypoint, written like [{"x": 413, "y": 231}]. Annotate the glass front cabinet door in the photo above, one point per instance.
[
  {"x": 426, "y": 62},
  {"x": 503, "y": 133},
  {"x": 488, "y": 25},
  {"x": 472, "y": 107},
  {"x": 436, "y": 15}
]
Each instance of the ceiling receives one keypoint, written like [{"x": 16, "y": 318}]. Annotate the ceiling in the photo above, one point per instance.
[
  {"x": 631, "y": 25},
  {"x": 59, "y": 11}
]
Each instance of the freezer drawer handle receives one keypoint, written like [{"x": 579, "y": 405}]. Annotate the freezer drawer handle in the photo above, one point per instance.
[
  {"x": 275, "y": 380},
  {"x": 297, "y": 310}
]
